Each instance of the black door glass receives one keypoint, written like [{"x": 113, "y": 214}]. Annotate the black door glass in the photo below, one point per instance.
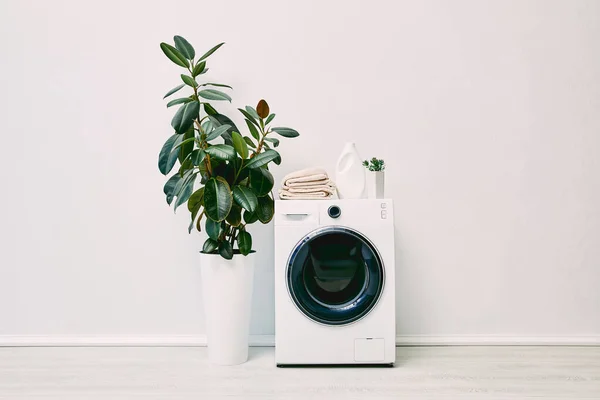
[{"x": 335, "y": 276}]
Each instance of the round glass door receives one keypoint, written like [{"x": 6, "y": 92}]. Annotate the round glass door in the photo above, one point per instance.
[{"x": 335, "y": 275}]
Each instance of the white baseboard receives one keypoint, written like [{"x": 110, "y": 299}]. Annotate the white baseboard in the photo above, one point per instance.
[{"x": 269, "y": 340}]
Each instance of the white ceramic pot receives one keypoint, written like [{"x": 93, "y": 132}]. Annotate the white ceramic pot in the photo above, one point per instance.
[
  {"x": 350, "y": 174},
  {"x": 227, "y": 293},
  {"x": 376, "y": 184}
]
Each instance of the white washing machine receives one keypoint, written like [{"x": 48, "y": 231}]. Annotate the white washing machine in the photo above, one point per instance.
[{"x": 334, "y": 282}]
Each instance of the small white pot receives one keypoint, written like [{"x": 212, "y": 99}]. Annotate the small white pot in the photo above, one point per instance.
[
  {"x": 376, "y": 184},
  {"x": 227, "y": 293}
]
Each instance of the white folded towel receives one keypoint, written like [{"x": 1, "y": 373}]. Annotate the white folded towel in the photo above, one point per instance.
[{"x": 307, "y": 184}]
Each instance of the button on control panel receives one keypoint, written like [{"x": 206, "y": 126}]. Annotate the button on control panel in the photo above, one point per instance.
[{"x": 383, "y": 214}]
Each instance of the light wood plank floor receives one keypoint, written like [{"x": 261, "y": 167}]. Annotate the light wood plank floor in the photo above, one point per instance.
[{"x": 184, "y": 373}]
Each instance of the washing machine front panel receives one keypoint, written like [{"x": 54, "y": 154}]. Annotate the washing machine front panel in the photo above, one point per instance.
[{"x": 335, "y": 275}]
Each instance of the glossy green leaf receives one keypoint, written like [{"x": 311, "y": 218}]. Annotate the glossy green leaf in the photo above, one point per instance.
[
  {"x": 235, "y": 215},
  {"x": 265, "y": 209},
  {"x": 244, "y": 241},
  {"x": 269, "y": 119},
  {"x": 240, "y": 146},
  {"x": 210, "y": 246},
  {"x": 198, "y": 156},
  {"x": 248, "y": 116},
  {"x": 218, "y": 131},
  {"x": 252, "y": 129},
  {"x": 169, "y": 187},
  {"x": 208, "y": 53},
  {"x": 213, "y": 94},
  {"x": 175, "y": 89},
  {"x": 273, "y": 140},
  {"x": 217, "y": 199},
  {"x": 198, "y": 69},
  {"x": 221, "y": 119},
  {"x": 187, "y": 145},
  {"x": 182, "y": 100},
  {"x": 250, "y": 218},
  {"x": 261, "y": 181},
  {"x": 210, "y": 110},
  {"x": 188, "y": 80},
  {"x": 216, "y": 85},
  {"x": 221, "y": 151},
  {"x": 245, "y": 197},
  {"x": 186, "y": 191},
  {"x": 286, "y": 132},
  {"x": 196, "y": 199},
  {"x": 166, "y": 159},
  {"x": 225, "y": 250},
  {"x": 184, "y": 117},
  {"x": 174, "y": 55},
  {"x": 184, "y": 47},
  {"x": 213, "y": 229},
  {"x": 249, "y": 142},
  {"x": 261, "y": 159},
  {"x": 252, "y": 112}
]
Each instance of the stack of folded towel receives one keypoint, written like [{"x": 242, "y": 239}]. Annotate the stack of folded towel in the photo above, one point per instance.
[{"x": 307, "y": 184}]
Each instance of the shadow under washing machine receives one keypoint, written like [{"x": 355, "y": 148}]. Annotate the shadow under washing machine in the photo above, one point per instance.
[{"x": 334, "y": 282}]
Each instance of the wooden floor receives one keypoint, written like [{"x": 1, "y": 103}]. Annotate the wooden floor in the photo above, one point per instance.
[{"x": 183, "y": 373}]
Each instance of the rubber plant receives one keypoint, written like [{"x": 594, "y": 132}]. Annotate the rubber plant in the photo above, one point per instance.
[{"x": 222, "y": 175}]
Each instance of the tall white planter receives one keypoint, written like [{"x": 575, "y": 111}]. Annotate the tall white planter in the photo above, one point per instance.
[
  {"x": 227, "y": 287},
  {"x": 350, "y": 174},
  {"x": 376, "y": 184}
]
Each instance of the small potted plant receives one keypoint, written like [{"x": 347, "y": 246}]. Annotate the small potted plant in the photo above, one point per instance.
[
  {"x": 375, "y": 178},
  {"x": 223, "y": 177}
]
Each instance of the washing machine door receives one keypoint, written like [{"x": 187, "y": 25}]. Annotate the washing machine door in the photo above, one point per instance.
[{"x": 335, "y": 275}]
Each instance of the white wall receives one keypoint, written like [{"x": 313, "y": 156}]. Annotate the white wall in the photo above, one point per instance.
[{"x": 486, "y": 113}]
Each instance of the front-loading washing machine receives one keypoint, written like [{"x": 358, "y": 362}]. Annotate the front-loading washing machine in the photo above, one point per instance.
[{"x": 334, "y": 282}]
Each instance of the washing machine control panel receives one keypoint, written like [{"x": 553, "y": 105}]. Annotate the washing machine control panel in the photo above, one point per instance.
[{"x": 383, "y": 211}]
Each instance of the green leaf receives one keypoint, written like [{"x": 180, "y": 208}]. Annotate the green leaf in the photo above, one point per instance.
[
  {"x": 235, "y": 215},
  {"x": 166, "y": 160},
  {"x": 265, "y": 209},
  {"x": 273, "y": 140},
  {"x": 217, "y": 132},
  {"x": 217, "y": 199},
  {"x": 225, "y": 250},
  {"x": 252, "y": 112},
  {"x": 261, "y": 181},
  {"x": 286, "y": 132},
  {"x": 262, "y": 159},
  {"x": 198, "y": 69},
  {"x": 169, "y": 187},
  {"x": 213, "y": 94},
  {"x": 208, "y": 53},
  {"x": 188, "y": 80},
  {"x": 240, "y": 146},
  {"x": 248, "y": 116},
  {"x": 174, "y": 55},
  {"x": 210, "y": 246},
  {"x": 184, "y": 47},
  {"x": 198, "y": 156},
  {"x": 186, "y": 191},
  {"x": 182, "y": 100},
  {"x": 210, "y": 110},
  {"x": 245, "y": 197},
  {"x": 269, "y": 119},
  {"x": 175, "y": 89},
  {"x": 244, "y": 241},
  {"x": 250, "y": 218},
  {"x": 221, "y": 152},
  {"x": 216, "y": 85},
  {"x": 187, "y": 145},
  {"x": 213, "y": 229},
  {"x": 184, "y": 117},
  {"x": 220, "y": 119},
  {"x": 252, "y": 129},
  {"x": 249, "y": 142},
  {"x": 196, "y": 199}
]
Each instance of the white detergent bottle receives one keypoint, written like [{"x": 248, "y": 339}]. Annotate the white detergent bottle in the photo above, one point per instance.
[{"x": 350, "y": 174}]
